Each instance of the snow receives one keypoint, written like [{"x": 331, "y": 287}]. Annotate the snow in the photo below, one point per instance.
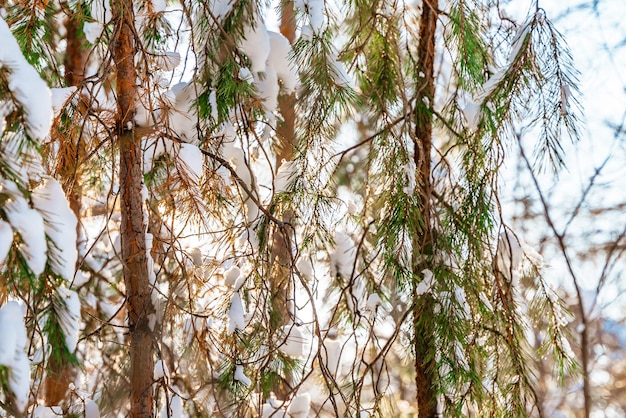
[
  {"x": 48, "y": 412},
  {"x": 331, "y": 353},
  {"x": 60, "y": 96},
  {"x": 519, "y": 40},
  {"x": 256, "y": 45},
  {"x": 101, "y": 13},
  {"x": 12, "y": 332},
  {"x": 160, "y": 370},
  {"x": 245, "y": 75},
  {"x": 236, "y": 314},
  {"x": 240, "y": 376},
  {"x": 278, "y": 59},
  {"x": 30, "y": 92},
  {"x": 285, "y": 176},
  {"x": 461, "y": 300},
  {"x": 306, "y": 33},
  {"x": 485, "y": 301},
  {"x": 69, "y": 316},
  {"x": 267, "y": 90},
  {"x": 6, "y": 240},
  {"x": 490, "y": 85},
  {"x": 192, "y": 162},
  {"x": 338, "y": 71},
  {"x": 426, "y": 284},
  {"x": 144, "y": 113},
  {"x": 373, "y": 302},
  {"x": 195, "y": 254},
  {"x": 342, "y": 255},
  {"x": 305, "y": 267},
  {"x": 233, "y": 277},
  {"x": 314, "y": 10},
  {"x": 60, "y": 226},
  {"x": 175, "y": 408},
  {"x": 220, "y": 8},
  {"x": 101, "y": 10},
  {"x": 411, "y": 182},
  {"x": 158, "y": 6},
  {"x": 268, "y": 410},
  {"x": 459, "y": 353},
  {"x": 213, "y": 104},
  {"x": 12, "y": 351},
  {"x": 300, "y": 406},
  {"x": 182, "y": 118},
  {"x": 91, "y": 409},
  {"x": 472, "y": 114},
  {"x": 5, "y": 109},
  {"x": 249, "y": 237},
  {"x": 351, "y": 207},
  {"x": 30, "y": 225},
  {"x": 292, "y": 341},
  {"x": 92, "y": 30}
]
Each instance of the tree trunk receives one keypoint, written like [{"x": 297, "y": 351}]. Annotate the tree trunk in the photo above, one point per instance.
[
  {"x": 425, "y": 371},
  {"x": 281, "y": 272},
  {"x": 133, "y": 226},
  {"x": 60, "y": 373}
]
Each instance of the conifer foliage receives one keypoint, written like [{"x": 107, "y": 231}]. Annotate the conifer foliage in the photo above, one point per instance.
[{"x": 218, "y": 257}]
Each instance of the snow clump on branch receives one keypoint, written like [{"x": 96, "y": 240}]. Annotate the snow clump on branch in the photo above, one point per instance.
[
  {"x": 28, "y": 89},
  {"x": 12, "y": 351}
]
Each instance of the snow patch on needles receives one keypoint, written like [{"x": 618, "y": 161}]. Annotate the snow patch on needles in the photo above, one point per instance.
[
  {"x": 291, "y": 341},
  {"x": 342, "y": 256},
  {"x": 236, "y": 314},
  {"x": 278, "y": 59},
  {"x": 426, "y": 284},
  {"x": 29, "y": 224},
  {"x": 338, "y": 71},
  {"x": 29, "y": 90},
  {"x": 285, "y": 176},
  {"x": 245, "y": 75},
  {"x": 220, "y": 8},
  {"x": 509, "y": 255},
  {"x": 101, "y": 13},
  {"x": 60, "y": 226},
  {"x": 331, "y": 356},
  {"x": 411, "y": 183},
  {"x": 240, "y": 376},
  {"x": 6, "y": 240},
  {"x": 300, "y": 406},
  {"x": 60, "y": 96},
  {"x": 12, "y": 351},
  {"x": 314, "y": 10},
  {"x": 191, "y": 162},
  {"x": 256, "y": 45},
  {"x": 91, "y": 409},
  {"x": 68, "y": 309}
]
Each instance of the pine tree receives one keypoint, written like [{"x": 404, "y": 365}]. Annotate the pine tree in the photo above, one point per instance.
[{"x": 308, "y": 225}]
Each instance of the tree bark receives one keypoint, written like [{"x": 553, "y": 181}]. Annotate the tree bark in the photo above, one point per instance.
[
  {"x": 282, "y": 269},
  {"x": 133, "y": 226},
  {"x": 60, "y": 373},
  {"x": 425, "y": 371}
]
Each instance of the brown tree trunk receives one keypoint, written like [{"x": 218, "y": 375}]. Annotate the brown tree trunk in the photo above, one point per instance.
[
  {"x": 426, "y": 374},
  {"x": 75, "y": 57},
  {"x": 133, "y": 226},
  {"x": 281, "y": 287},
  {"x": 60, "y": 373}
]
